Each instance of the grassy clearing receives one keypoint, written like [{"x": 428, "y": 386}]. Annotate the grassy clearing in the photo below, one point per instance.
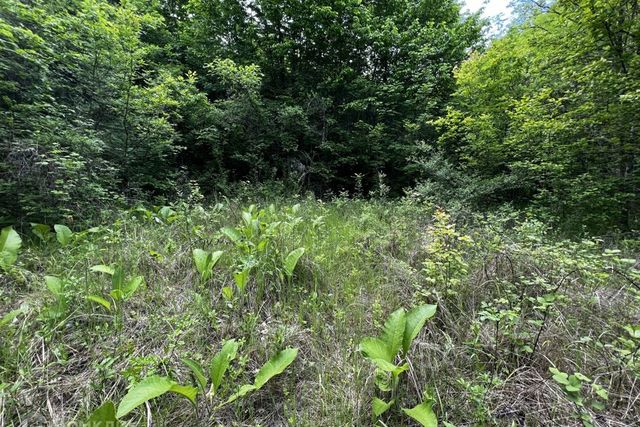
[{"x": 512, "y": 302}]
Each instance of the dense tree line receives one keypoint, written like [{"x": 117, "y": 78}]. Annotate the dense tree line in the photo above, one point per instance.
[
  {"x": 103, "y": 100},
  {"x": 550, "y": 115}
]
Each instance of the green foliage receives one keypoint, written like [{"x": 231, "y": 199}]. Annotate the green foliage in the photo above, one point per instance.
[
  {"x": 63, "y": 234},
  {"x": 259, "y": 255},
  {"x": 104, "y": 416},
  {"x": 524, "y": 299},
  {"x": 150, "y": 388},
  {"x": 379, "y": 406},
  {"x": 445, "y": 265},
  {"x": 42, "y": 231},
  {"x": 220, "y": 363},
  {"x": 205, "y": 261},
  {"x": 547, "y": 116},
  {"x": 399, "y": 331},
  {"x": 423, "y": 413},
  {"x": 573, "y": 385},
  {"x": 10, "y": 243},
  {"x": 274, "y": 366},
  {"x": 122, "y": 289},
  {"x": 291, "y": 261}
]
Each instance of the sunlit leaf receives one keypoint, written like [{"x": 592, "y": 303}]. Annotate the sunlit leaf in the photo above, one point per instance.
[
  {"x": 220, "y": 363},
  {"x": 379, "y": 406},
  {"x": 416, "y": 319},
  {"x": 63, "y": 234},
  {"x": 10, "y": 243},
  {"x": 104, "y": 416},
  {"x": 291, "y": 261},
  {"x": 423, "y": 413}
]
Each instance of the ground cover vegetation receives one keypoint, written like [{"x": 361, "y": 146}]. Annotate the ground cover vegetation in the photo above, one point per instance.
[
  {"x": 318, "y": 213},
  {"x": 391, "y": 313}
]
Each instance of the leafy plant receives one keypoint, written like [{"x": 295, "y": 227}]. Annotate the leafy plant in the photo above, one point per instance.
[
  {"x": 445, "y": 264},
  {"x": 274, "y": 366},
  {"x": 423, "y": 413},
  {"x": 220, "y": 364},
  {"x": 205, "y": 261},
  {"x": 258, "y": 255},
  {"x": 63, "y": 234},
  {"x": 42, "y": 231},
  {"x": 147, "y": 389},
  {"x": 389, "y": 351},
  {"x": 217, "y": 368},
  {"x": 121, "y": 288},
  {"x": 104, "y": 416},
  {"x": 291, "y": 261},
  {"x": 57, "y": 287},
  {"x": 572, "y": 385},
  {"x": 150, "y": 388},
  {"x": 166, "y": 215},
  {"x": 10, "y": 243}
]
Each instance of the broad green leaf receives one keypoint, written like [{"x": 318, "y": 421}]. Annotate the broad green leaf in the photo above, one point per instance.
[
  {"x": 150, "y": 388},
  {"x": 186, "y": 391},
  {"x": 574, "y": 384},
  {"x": 145, "y": 390},
  {"x": 205, "y": 261},
  {"x": 200, "y": 258},
  {"x": 380, "y": 406},
  {"x": 233, "y": 234},
  {"x": 42, "y": 231},
  {"x": 54, "y": 284},
  {"x": 416, "y": 319},
  {"x": 291, "y": 261},
  {"x": 393, "y": 332},
  {"x": 167, "y": 214},
  {"x": 600, "y": 391},
  {"x": 117, "y": 294},
  {"x": 375, "y": 348},
  {"x": 63, "y": 234},
  {"x": 95, "y": 298},
  {"x": 423, "y": 413},
  {"x": 197, "y": 371},
  {"x": 10, "y": 243},
  {"x": 104, "y": 416},
  {"x": 103, "y": 269},
  {"x": 558, "y": 376},
  {"x": 385, "y": 366},
  {"x": 242, "y": 278},
  {"x": 220, "y": 363},
  {"x": 243, "y": 391},
  {"x": 582, "y": 377},
  {"x": 132, "y": 286},
  {"x": 117, "y": 281},
  {"x": 275, "y": 366},
  {"x": 215, "y": 257}
]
